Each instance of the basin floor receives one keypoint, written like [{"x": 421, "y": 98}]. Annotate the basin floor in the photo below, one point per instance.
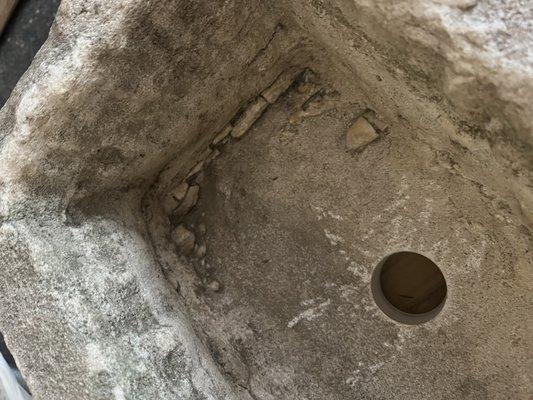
[{"x": 295, "y": 225}]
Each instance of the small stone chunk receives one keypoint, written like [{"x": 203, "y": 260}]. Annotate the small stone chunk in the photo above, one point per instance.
[
  {"x": 180, "y": 191},
  {"x": 175, "y": 196},
  {"x": 223, "y": 134},
  {"x": 214, "y": 154},
  {"x": 200, "y": 250},
  {"x": 197, "y": 168},
  {"x": 360, "y": 134},
  {"x": 202, "y": 229},
  {"x": 280, "y": 85},
  {"x": 183, "y": 239},
  {"x": 214, "y": 286},
  {"x": 307, "y": 83},
  {"x": 188, "y": 202},
  {"x": 248, "y": 117}
]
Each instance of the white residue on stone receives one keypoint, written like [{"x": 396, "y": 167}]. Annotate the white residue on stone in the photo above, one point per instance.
[
  {"x": 333, "y": 239},
  {"x": 352, "y": 380},
  {"x": 368, "y": 234},
  {"x": 307, "y": 302},
  {"x": 402, "y": 198},
  {"x": 95, "y": 357},
  {"x": 403, "y": 335},
  {"x": 118, "y": 392},
  {"x": 363, "y": 373},
  {"x": 349, "y": 293},
  {"x": 321, "y": 214},
  {"x": 375, "y": 367},
  {"x": 427, "y": 212},
  {"x": 335, "y": 216},
  {"x": 310, "y": 314},
  {"x": 477, "y": 253},
  {"x": 359, "y": 271}
]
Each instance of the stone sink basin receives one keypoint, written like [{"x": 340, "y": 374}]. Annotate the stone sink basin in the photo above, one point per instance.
[{"x": 286, "y": 200}]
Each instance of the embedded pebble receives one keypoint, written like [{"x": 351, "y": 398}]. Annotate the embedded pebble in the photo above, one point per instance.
[
  {"x": 188, "y": 202},
  {"x": 360, "y": 134},
  {"x": 214, "y": 286},
  {"x": 248, "y": 117},
  {"x": 223, "y": 134},
  {"x": 183, "y": 239},
  {"x": 280, "y": 85},
  {"x": 174, "y": 197}
]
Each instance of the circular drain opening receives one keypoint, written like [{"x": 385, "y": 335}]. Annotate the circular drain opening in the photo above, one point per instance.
[{"x": 409, "y": 287}]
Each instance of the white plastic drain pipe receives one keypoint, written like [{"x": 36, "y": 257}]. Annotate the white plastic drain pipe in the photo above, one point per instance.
[{"x": 10, "y": 387}]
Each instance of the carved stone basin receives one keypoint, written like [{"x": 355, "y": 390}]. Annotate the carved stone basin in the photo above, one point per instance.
[{"x": 271, "y": 200}]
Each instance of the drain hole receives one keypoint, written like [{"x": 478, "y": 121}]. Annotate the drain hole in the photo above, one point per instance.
[{"x": 409, "y": 287}]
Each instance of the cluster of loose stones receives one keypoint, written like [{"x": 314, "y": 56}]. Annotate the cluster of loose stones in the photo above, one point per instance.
[{"x": 182, "y": 198}]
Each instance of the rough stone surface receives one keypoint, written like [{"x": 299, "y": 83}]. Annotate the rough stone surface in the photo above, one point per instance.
[
  {"x": 124, "y": 100},
  {"x": 377, "y": 123}
]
